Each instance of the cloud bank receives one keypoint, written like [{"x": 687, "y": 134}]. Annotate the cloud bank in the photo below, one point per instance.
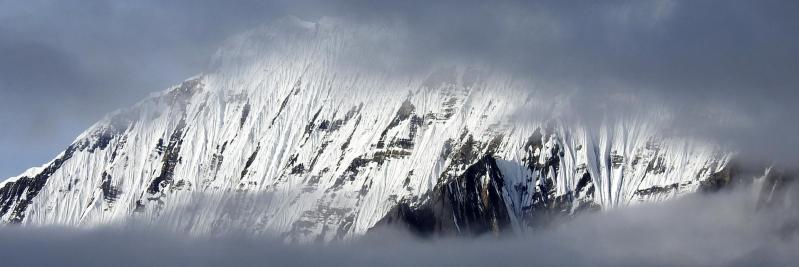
[
  {"x": 725, "y": 229},
  {"x": 727, "y": 69}
]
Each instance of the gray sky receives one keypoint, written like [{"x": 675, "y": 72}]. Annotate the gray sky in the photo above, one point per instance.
[
  {"x": 64, "y": 64},
  {"x": 67, "y": 63}
]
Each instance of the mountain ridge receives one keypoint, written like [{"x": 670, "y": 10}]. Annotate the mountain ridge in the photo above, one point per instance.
[{"x": 342, "y": 150}]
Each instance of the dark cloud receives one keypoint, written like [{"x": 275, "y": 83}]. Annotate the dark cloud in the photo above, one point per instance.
[
  {"x": 726, "y": 68},
  {"x": 711, "y": 230}
]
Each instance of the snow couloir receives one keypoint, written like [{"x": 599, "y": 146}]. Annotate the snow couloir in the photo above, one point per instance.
[{"x": 335, "y": 151}]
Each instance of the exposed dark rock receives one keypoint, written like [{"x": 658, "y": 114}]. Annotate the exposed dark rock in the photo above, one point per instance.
[
  {"x": 184, "y": 91},
  {"x": 250, "y": 160},
  {"x": 122, "y": 141},
  {"x": 159, "y": 147},
  {"x": 356, "y": 164},
  {"x": 338, "y": 123},
  {"x": 416, "y": 122},
  {"x": 365, "y": 188},
  {"x": 585, "y": 184},
  {"x": 312, "y": 124},
  {"x": 616, "y": 160},
  {"x": 324, "y": 125},
  {"x": 218, "y": 157},
  {"x": 381, "y": 156},
  {"x": 719, "y": 180},
  {"x": 464, "y": 205},
  {"x": 181, "y": 185},
  {"x": 494, "y": 144},
  {"x": 99, "y": 139},
  {"x": 636, "y": 160},
  {"x": 656, "y": 166},
  {"x": 245, "y": 112},
  {"x": 449, "y": 108},
  {"x": 446, "y": 149},
  {"x": 424, "y": 222},
  {"x": 299, "y": 169},
  {"x": 102, "y": 136},
  {"x": 110, "y": 192},
  {"x": 403, "y": 113},
  {"x": 349, "y": 139},
  {"x": 139, "y": 206},
  {"x": 12, "y": 192},
  {"x": 404, "y": 143},
  {"x": 169, "y": 161},
  {"x": 534, "y": 141},
  {"x": 406, "y": 183},
  {"x": 545, "y": 205},
  {"x": 294, "y": 91},
  {"x": 584, "y": 195},
  {"x": 293, "y": 159},
  {"x": 657, "y": 190},
  {"x": 652, "y": 144},
  {"x": 466, "y": 153},
  {"x": 318, "y": 154}
]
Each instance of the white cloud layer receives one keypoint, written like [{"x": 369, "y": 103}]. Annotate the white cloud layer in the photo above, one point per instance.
[{"x": 724, "y": 229}]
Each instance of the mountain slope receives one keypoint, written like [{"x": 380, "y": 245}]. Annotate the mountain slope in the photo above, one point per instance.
[{"x": 337, "y": 150}]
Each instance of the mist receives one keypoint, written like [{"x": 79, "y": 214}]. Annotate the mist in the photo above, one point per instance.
[
  {"x": 726, "y": 70},
  {"x": 724, "y": 229}
]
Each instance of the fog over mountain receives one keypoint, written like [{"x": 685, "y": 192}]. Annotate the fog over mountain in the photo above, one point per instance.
[
  {"x": 616, "y": 133},
  {"x": 717, "y": 230}
]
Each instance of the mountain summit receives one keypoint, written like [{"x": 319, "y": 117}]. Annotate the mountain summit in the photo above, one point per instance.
[{"x": 296, "y": 112}]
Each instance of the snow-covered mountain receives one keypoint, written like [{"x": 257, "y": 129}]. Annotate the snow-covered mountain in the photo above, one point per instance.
[{"x": 339, "y": 150}]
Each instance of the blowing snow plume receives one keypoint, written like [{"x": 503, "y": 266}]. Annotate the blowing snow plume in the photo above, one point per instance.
[
  {"x": 563, "y": 129},
  {"x": 293, "y": 108}
]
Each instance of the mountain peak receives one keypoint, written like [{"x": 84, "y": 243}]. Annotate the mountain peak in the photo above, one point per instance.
[{"x": 342, "y": 149}]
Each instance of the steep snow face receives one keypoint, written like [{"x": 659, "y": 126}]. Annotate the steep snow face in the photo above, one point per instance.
[{"x": 337, "y": 149}]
